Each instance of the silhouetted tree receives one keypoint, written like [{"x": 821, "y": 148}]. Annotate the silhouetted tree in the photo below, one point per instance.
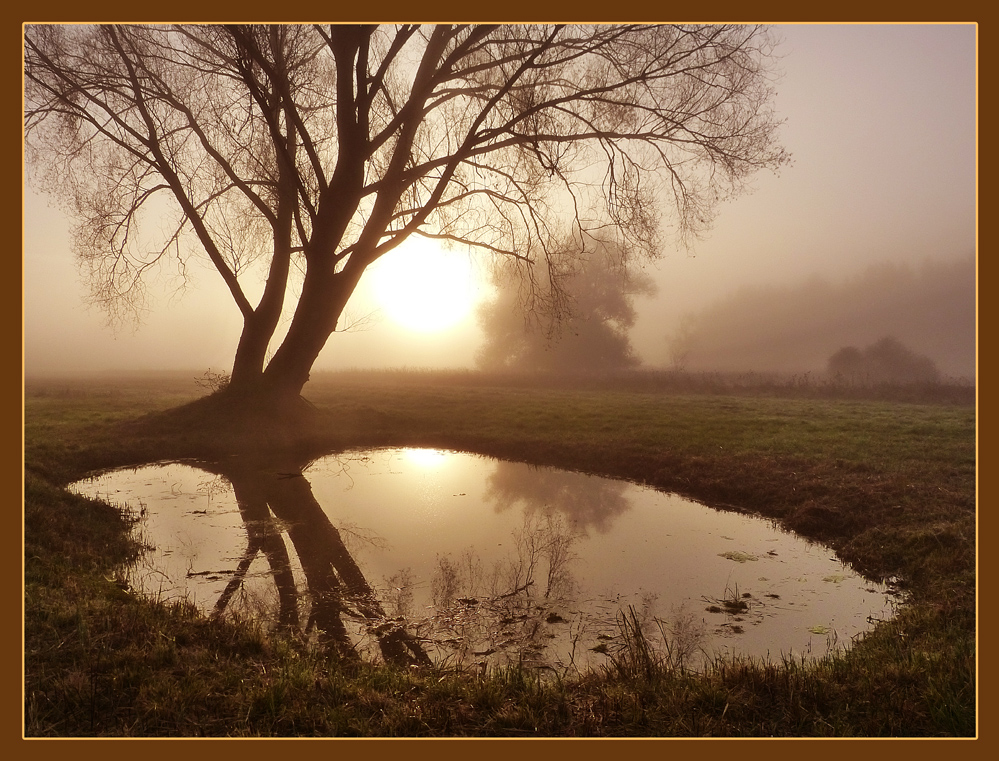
[
  {"x": 885, "y": 361},
  {"x": 591, "y": 333},
  {"x": 318, "y": 149}
]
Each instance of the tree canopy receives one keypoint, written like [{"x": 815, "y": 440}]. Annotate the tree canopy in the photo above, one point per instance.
[
  {"x": 295, "y": 156},
  {"x": 590, "y": 336}
]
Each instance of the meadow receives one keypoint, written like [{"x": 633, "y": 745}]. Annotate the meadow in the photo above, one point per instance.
[{"x": 884, "y": 475}]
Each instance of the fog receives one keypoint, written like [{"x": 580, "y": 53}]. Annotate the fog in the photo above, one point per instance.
[
  {"x": 881, "y": 124},
  {"x": 796, "y": 328}
]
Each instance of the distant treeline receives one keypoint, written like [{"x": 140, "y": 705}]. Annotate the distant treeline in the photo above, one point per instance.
[
  {"x": 929, "y": 308},
  {"x": 799, "y": 385}
]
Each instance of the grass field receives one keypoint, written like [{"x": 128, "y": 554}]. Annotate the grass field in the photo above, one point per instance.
[{"x": 887, "y": 477}]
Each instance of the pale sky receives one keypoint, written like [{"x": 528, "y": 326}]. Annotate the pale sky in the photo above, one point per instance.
[{"x": 881, "y": 122}]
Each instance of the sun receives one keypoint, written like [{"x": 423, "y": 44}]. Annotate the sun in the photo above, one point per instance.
[{"x": 424, "y": 288}]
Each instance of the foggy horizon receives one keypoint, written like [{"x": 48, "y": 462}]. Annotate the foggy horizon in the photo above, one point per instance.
[{"x": 880, "y": 122}]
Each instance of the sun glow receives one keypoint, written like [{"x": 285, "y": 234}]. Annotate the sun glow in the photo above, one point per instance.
[
  {"x": 423, "y": 287},
  {"x": 426, "y": 458}
]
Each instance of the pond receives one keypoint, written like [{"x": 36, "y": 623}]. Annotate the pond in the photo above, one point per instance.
[{"x": 418, "y": 555}]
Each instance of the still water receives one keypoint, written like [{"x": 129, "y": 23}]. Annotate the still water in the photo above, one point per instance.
[{"x": 417, "y": 555}]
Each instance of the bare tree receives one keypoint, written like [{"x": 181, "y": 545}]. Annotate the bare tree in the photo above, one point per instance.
[
  {"x": 311, "y": 151},
  {"x": 681, "y": 343}
]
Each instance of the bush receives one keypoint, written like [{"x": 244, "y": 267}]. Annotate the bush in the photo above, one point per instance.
[{"x": 885, "y": 361}]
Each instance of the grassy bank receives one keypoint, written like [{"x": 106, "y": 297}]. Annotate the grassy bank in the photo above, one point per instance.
[{"x": 887, "y": 480}]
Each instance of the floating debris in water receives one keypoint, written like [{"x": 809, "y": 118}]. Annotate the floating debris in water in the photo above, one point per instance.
[{"x": 738, "y": 557}]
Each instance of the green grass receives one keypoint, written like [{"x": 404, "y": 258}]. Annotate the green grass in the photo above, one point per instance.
[{"x": 889, "y": 483}]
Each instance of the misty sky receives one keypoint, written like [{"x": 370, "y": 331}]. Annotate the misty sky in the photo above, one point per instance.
[{"x": 881, "y": 124}]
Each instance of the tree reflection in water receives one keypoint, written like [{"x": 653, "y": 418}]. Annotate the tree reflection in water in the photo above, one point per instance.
[
  {"x": 524, "y": 608},
  {"x": 515, "y": 609},
  {"x": 511, "y": 609},
  {"x": 586, "y": 501},
  {"x": 277, "y": 498}
]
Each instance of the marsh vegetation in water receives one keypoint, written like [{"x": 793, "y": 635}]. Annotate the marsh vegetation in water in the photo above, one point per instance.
[{"x": 417, "y": 555}]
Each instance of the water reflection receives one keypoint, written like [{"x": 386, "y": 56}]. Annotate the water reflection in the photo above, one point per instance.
[
  {"x": 587, "y": 501},
  {"x": 416, "y": 556},
  {"x": 275, "y": 501}
]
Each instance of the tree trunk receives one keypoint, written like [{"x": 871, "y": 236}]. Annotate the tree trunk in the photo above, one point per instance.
[
  {"x": 248, "y": 366},
  {"x": 260, "y": 324},
  {"x": 319, "y": 308}
]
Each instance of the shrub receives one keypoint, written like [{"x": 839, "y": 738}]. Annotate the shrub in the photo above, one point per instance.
[{"x": 885, "y": 361}]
